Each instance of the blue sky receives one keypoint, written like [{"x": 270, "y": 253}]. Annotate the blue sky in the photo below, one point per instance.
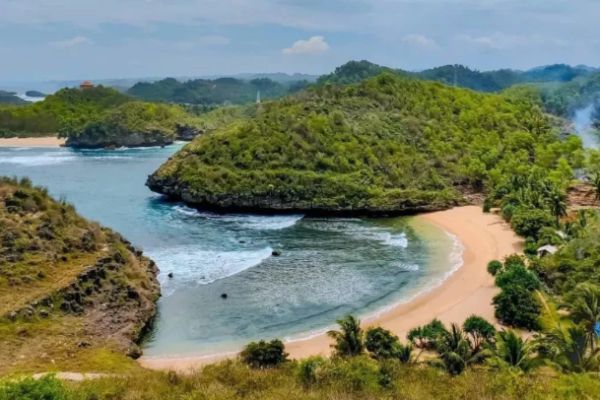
[{"x": 72, "y": 39}]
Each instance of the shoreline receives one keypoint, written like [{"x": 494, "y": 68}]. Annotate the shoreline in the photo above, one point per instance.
[
  {"x": 469, "y": 290},
  {"x": 32, "y": 142}
]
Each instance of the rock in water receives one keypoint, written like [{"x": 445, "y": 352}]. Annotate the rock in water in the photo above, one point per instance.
[
  {"x": 276, "y": 253},
  {"x": 170, "y": 275},
  {"x": 224, "y": 296}
]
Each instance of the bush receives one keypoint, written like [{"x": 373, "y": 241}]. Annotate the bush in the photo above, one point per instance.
[
  {"x": 264, "y": 355},
  {"x": 514, "y": 260},
  {"x": 548, "y": 235},
  {"x": 487, "y": 205},
  {"x": 507, "y": 212},
  {"x": 517, "y": 307},
  {"x": 531, "y": 246},
  {"x": 519, "y": 276},
  {"x": 527, "y": 222},
  {"x": 381, "y": 343},
  {"x": 480, "y": 330},
  {"x": 309, "y": 370},
  {"x": 45, "y": 388},
  {"x": 494, "y": 267}
]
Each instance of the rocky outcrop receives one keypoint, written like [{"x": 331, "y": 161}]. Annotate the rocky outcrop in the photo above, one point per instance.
[
  {"x": 409, "y": 202},
  {"x": 111, "y": 305},
  {"x": 127, "y": 139},
  {"x": 187, "y": 133}
]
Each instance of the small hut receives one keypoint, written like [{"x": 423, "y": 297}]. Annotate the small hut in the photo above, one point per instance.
[
  {"x": 545, "y": 250},
  {"x": 86, "y": 85}
]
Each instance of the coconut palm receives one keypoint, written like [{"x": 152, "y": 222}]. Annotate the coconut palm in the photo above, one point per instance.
[
  {"x": 557, "y": 202},
  {"x": 349, "y": 339},
  {"x": 569, "y": 349},
  {"x": 513, "y": 351},
  {"x": 455, "y": 352},
  {"x": 584, "y": 306}
]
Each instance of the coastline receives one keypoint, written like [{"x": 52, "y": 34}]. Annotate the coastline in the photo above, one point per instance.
[
  {"x": 467, "y": 291},
  {"x": 32, "y": 142}
]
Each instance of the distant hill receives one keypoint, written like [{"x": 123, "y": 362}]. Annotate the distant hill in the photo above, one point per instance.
[
  {"x": 10, "y": 98},
  {"x": 34, "y": 93},
  {"x": 218, "y": 91}
]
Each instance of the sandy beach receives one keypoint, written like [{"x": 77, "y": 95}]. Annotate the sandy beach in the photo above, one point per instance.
[
  {"x": 32, "y": 142},
  {"x": 468, "y": 291}
]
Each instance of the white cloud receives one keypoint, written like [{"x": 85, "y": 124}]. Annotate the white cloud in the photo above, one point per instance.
[
  {"x": 315, "y": 44},
  {"x": 419, "y": 41},
  {"x": 504, "y": 41},
  {"x": 76, "y": 41}
]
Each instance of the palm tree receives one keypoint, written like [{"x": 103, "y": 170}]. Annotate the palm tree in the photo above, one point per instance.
[
  {"x": 584, "y": 306},
  {"x": 569, "y": 349},
  {"x": 557, "y": 201},
  {"x": 405, "y": 353},
  {"x": 514, "y": 351},
  {"x": 455, "y": 352},
  {"x": 596, "y": 182},
  {"x": 349, "y": 340}
]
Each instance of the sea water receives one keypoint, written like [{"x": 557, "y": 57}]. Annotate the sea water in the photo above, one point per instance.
[{"x": 328, "y": 267}]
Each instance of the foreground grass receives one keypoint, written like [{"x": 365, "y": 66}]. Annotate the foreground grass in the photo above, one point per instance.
[{"x": 360, "y": 378}]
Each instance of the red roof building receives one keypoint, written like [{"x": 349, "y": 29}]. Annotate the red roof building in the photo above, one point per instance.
[{"x": 86, "y": 85}]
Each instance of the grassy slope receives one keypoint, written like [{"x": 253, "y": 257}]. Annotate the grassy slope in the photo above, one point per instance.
[
  {"x": 54, "y": 312},
  {"x": 387, "y": 143}
]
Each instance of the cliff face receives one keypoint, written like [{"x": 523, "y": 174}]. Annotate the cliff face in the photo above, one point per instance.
[
  {"x": 71, "y": 292},
  {"x": 89, "y": 139}
]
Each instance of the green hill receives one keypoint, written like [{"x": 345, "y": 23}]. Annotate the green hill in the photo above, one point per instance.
[
  {"x": 386, "y": 145},
  {"x": 73, "y": 294}
]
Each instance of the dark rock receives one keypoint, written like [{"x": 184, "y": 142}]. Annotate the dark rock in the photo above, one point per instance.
[
  {"x": 224, "y": 296},
  {"x": 110, "y": 147},
  {"x": 242, "y": 241},
  {"x": 276, "y": 253},
  {"x": 84, "y": 344},
  {"x": 187, "y": 133},
  {"x": 44, "y": 313},
  {"x": 41, "y": 275},
  {"x": 22, "y": 332},
  {"x": 12, "y": 316},
  {"x": 134, "y": 352},
  {"x": 170, "y": 275}
]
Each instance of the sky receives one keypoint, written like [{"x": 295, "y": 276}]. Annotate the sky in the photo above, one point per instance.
[{"x": 93, "y": 39}]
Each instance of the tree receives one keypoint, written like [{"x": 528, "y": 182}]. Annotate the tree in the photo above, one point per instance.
[
  {"x": 480, "y": 330},
  {"x": 527, "y": 222},
  {"x": 516, "y": 306},
  {"x": 455, "y": 351},
  {"x": 381, "y": 343},
  {"x": 494, "y": 267},
  {"x": 569, "y": 349},
  {"x": 557, "y": 202},
  {"x": 596, "y": 183},
  {"x": 349, "y": 340},
  {"x": 264, "y": 354},
  {"x": 584, "y": 306},
  {"x": 513, "y": 351},
  {"x": 519, "y": 276}
]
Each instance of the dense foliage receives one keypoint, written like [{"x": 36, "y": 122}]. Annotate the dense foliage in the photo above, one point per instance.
[
  {"x": 67, "y": 109},
  {"x": 263, "y": 354},
  {"x": 387, "y": 143},
  {"x": 220, "y": 91}
]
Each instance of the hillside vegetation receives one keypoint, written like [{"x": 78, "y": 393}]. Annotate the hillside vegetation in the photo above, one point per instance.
[
  {"x": 388, "y": 144},
  {"x": 65, "y": 110},
  {"x": 73, "y": 295},
  {"x": 219, "y": 91}
]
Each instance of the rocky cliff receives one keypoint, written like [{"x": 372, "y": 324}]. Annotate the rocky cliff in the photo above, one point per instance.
[{"x": 71, "y": 292}]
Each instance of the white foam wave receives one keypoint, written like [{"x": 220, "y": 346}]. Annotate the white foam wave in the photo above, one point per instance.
[
  {"x": 355, "y": 228},
  {"x": 203, "y": 267},
  {"x": 38, "y": 160},
  {"x": 254, "y": 222}
]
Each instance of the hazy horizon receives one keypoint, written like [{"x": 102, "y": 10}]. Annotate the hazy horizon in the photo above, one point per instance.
[{"x": 109, "y": 39}]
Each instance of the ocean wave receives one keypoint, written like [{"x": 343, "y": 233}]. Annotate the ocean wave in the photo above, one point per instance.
[
  {"x": 39, "y": 160},
  {"x": 203, "y": 267},
  {"x": 357, "y": 229},
  {"x": 254, "y": 222}
]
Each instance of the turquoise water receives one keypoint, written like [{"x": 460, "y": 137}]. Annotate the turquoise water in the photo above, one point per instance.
[{"x": 328, "y": 267}]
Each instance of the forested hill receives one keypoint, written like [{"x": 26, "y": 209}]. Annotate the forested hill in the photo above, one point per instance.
[
  {"x": 386, "y": 145},
  {"x": 10, "y": 98},
  {"x": 67, "y": 108},
  {"x": 486, "y": 81},
  {"x": 219, "y": 91}
]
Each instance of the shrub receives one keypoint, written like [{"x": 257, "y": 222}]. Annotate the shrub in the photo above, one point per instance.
[
  {"x": 494, "y": 267},
  {"x": 516, "y": 306},
  {"x": 45, "y": 388},
  {"x": 264, "y": 355},
  {"x": 548, "y": 235},
  {"x": 309, "y": 370},
  {"x": 381, "y": 343},
  {"x": 519, "y": 276},
  {"x": 507, "y": 212},
  {"x": 531, "y": 246},
  {"x": 480, "y": 330},
  {"x": 527, "y": 222},
  {"x": 487, "y": 205},
  {"x": 514, "y": 260}
]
